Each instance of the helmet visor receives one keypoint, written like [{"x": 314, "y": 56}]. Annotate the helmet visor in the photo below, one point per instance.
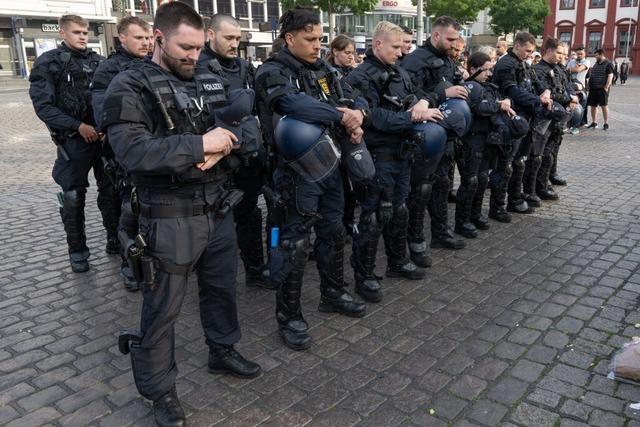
[{"x": 319, "y": 161}]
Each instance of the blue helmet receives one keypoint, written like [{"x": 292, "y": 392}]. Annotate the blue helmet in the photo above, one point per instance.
[
  {"x": 306, "y": 147},
  {"x": 431, "y": 138},
  {"x": 457, "y": 116}
]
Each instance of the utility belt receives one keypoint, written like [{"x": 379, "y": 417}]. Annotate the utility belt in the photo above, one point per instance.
[
  {"x": 385, "y": 155},
  {"x": 221, "y": 207},
  {"x": 219, "y": 175}
]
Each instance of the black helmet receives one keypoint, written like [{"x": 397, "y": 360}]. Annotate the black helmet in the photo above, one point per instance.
[
  {"x": 306, "y": 147},
  {"x": 518, "y": 127},
  {"x": 457, "y": 116}
]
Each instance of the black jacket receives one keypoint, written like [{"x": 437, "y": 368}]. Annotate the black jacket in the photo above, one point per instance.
[
  {"x": 60, "y": 87},
  {"x": 239, "y": 72},
  {"x": 139, "y": 133},
  {"x": 431, "y": 72},
  {"x": 517, "y": 83},
  {"x": 388, "y": 122},
  {"x": 106, "y": 71},
  {"x": 286, "y": 85}
]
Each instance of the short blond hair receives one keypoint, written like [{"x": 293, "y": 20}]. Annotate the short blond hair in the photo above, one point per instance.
[
  {"x": 65, "y": 20},
  {"x": 385, "y": 28}
]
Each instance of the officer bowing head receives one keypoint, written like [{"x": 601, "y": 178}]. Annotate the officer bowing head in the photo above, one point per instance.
[
  {"x": 224, "y": 35},
  {"x": 177, "y": 47},
  {"x": 158, "y": 114},
  {"x": 297, "y": 84}
]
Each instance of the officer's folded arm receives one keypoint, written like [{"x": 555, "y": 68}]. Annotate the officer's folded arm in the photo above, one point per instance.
[
  {"x": 138, "y": 151},
  {"x": 306, "y": 108}
]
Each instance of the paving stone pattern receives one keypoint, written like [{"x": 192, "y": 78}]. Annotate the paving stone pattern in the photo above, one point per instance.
[{"x": 517, "y": 329}]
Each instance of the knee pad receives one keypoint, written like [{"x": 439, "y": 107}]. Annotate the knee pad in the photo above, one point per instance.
[
  {"x": 299, "y": 251},
  {"x": 401, "y": 214},
  {"x": 483, "y": 177},
  {"x": 536, "y": 161},
  {"x": 472, "y": 181},
  {"x": 519, "y": 162},
  {"x": 335, "y": 235},
  {"x": 508, "y": 169},
  {"x": 75, "y": 197}
]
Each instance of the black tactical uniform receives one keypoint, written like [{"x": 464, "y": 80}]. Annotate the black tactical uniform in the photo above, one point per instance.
[
  {"x": 350, "y": 191},
  {"x": 473, "y": 161},
  {"x": 310, "y": 93},
  {"x": 541, "y": 157},
  {"x": 128, "y": 222},
  {"x": 432, "y": 72},
  {"x": 155, "y": 123},
  {"x": 384, "y": 208},
  {"x": 514, "y": 79},
  {"x": 61, "y": 95},
  {"x": 240, "y": 74},
  {"x": 558, "y": 136}
]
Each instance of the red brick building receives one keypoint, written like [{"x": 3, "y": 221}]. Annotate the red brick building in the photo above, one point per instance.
[{"x": 608, "y": 24}]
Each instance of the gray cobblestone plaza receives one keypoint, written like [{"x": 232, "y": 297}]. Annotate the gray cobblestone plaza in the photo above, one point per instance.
[{"x": 517, "y": 329}]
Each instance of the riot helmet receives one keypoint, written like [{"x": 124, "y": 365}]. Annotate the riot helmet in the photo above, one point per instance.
[
  {"x": 306, "y": 147},
  {"x": 457, "y": 116}
]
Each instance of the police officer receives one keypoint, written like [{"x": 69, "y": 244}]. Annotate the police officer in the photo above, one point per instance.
[
  {"x": 60, "y": 92},
  {"x": 513, "y": 79},
  {"x": 433, "y": 73},
  {"x": 341, "y": 56},
  {"x": 134, "y": 35},
  {"x": 157, "y": 114},
  {"x": 220, "y": 55},
  {"x": 572, "y": 89},
  {"x": 386, "y": 87},
  {"x": 473, "y": 163},
  {"x": 296, "y": 83},
  {"x": 539, "y": 163}
]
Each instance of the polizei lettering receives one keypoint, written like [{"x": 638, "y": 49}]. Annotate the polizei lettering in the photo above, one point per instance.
[{"x": 212, "y": 87}]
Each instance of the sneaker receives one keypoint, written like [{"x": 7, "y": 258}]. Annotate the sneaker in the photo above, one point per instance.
[
  {"x": 606, "y": 126},
  {"x": 593, "y": 125},
  {"x": 574, "y": 131}
]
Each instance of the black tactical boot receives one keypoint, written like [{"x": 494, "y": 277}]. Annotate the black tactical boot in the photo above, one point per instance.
[
  {"x": 168, "y": 412},
  {"x": 408, "y": 270},
  {"x": 446, "y": 240},
  {"x": 548, "y": 194},
  {"x": 294, "y": 333},
  {"x": 466, "y": 229},
  {"x": 557, "y": 180},
  {"x": 532, "y": 200},
  {"x": 369, "y": 288},
  {"x": 519, "y": 206},
  {"x": 481, "y": 222},
  {"x": 79, "y": 263},
  {"x": 338, "y": 300},
  {"x": 224, "y": 359},
  {"x": 418, "y": 254},
  {"x": 500, "y": 215}
]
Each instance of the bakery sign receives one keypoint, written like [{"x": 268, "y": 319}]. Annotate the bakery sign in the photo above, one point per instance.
[{"x": 50, "y": 28}]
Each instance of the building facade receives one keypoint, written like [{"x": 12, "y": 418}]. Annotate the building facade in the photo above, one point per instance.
[{"x": 608, "y": 24}]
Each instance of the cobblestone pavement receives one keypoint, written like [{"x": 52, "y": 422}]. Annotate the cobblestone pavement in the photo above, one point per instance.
[{"x": 517, "y": 329}]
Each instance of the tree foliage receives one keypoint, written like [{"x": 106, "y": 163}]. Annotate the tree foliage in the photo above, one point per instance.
[
  {"x": 510, "y": 17},
  {"x": 462, "y": 10}
]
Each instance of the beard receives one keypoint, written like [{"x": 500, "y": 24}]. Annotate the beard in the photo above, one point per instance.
[{"x": 184, "y": 70}]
